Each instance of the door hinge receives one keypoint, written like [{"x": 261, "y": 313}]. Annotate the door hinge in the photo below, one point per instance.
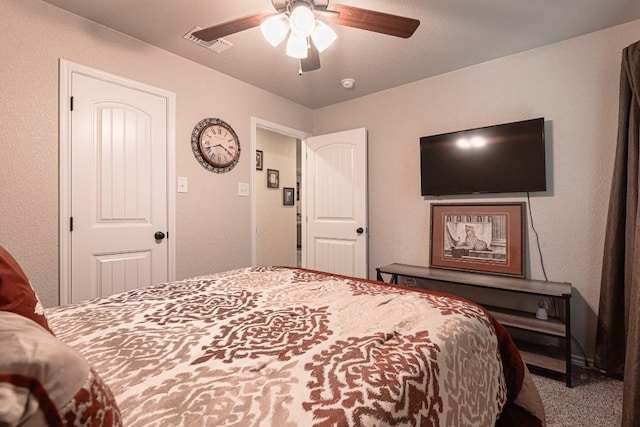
[
  {"x": 70, "y": 223},
  {"x": 71, "y": 104}
]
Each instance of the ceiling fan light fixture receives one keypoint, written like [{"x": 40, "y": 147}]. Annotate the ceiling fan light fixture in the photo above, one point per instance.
[
  {"x": 323, "y": 36},
  {"x": 302, "y": 20},
  {"x": 297, "y": 47},
  {"x": 275, "y": 29}
]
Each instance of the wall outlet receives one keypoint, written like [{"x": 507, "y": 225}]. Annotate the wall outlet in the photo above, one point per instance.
[{"x": 243, "y": 189}]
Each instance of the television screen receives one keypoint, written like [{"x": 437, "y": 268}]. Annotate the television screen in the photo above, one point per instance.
[{"x": 504, "y": 158}]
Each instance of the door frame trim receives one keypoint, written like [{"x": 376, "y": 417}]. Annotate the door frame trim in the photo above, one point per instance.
[
  {"x": 284, "y": 130},
  {"x": 66, "y": 71}
]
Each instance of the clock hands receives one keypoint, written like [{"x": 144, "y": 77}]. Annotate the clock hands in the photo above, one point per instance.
[
  {"x": 211, "y": 149},
  {"x": 224, "y": 148}
]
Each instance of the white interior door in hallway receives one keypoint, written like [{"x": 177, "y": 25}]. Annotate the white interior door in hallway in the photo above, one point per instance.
[
  {"x": 119, "y": 201},
  {"x": 335, "y": 203}
]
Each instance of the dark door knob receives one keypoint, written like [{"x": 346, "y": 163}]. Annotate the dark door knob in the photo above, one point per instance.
[
  {"x": 159, "y": 235},
  {"x": 359, "y": 230}
]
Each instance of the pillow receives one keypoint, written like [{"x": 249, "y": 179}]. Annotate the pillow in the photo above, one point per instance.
[
  {"x": 45, "y": 382},
  {"x": 16, "y": 293}
]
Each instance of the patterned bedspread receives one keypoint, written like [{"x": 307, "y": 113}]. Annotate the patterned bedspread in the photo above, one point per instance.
[{"x": 290, "y": 347}]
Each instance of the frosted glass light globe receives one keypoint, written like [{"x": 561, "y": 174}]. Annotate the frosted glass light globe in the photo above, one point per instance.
[{"x": 302, "y": 21}]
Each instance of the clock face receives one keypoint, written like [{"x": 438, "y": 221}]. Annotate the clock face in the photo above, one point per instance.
[{"x": 215, "y": 145}]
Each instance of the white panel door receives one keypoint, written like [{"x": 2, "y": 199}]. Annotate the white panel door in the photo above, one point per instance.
[
  {"x": 118, "y": 188},
  {"x": 335, "y": 182}
]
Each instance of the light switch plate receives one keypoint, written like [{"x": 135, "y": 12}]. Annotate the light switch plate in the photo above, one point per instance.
[
  {"x": 183, "y": 184},
  {"x": 243, "y": 189}
]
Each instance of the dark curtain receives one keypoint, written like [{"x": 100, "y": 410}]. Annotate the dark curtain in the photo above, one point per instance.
[{"x": 618, "y": 335}]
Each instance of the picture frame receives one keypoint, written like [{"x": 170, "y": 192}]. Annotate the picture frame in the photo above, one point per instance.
[
  {"x": 259, "y": 159},
  {"x": 287, "y": 196},
  {"x": 478, "y": 237},
  {"x": 273, "y": 178}
]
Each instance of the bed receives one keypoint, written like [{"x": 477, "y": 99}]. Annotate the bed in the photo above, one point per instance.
[{"x": 277, "y": 346}]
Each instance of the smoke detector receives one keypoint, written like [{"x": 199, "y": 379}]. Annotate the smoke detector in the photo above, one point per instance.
[{"x": 348, "y": 83}]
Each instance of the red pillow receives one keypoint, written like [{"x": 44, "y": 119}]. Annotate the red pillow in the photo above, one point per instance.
[{"x": 16, "y": 293}]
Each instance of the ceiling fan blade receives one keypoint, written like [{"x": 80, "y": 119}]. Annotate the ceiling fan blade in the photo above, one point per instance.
[
  {"x": 312, "y": 61},
  {"x": 371, "y": 20},
  {"x": 231, "y": 27}
]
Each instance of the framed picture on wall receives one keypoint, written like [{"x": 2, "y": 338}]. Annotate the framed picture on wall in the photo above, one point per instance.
[
  {"x": 273, "y": 178},
  {"x": 483, "y": 238},
  {"x": 287, "y": 196},
  {"x": 259, "y": 157}
]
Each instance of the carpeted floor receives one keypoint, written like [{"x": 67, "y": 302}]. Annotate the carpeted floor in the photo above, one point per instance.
[{"x": 595, "y": 399}]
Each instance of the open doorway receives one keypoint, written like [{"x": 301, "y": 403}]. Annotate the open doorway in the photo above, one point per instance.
[{"x": 277, "y": 205}]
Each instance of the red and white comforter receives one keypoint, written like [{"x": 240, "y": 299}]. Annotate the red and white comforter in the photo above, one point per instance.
[{"x": 291, "y": 347}]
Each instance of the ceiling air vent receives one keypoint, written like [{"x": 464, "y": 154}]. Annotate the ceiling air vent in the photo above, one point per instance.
[{"x": 218, "y": 45}]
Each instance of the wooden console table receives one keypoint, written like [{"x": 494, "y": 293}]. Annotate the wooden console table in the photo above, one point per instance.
[{"x": 559, "y": 327}]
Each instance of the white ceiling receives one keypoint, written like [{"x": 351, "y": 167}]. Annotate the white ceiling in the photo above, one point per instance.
[{"x": 452, "y": 34}]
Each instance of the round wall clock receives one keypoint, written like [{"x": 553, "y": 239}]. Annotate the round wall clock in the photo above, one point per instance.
[{"x": 215, "y": 145}]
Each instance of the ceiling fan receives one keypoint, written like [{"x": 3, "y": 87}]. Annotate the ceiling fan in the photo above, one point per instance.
[{"x": 308, "y": 34}]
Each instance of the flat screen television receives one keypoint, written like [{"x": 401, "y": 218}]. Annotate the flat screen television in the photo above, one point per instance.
[{"x": 505, "y": 158}]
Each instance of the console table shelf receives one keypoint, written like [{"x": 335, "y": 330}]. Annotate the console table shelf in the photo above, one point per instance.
[
  {"x": 534, "y": 355},
  {"x": 528, "y": 321}
]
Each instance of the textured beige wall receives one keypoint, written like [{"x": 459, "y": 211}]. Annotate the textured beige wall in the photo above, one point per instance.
[
  {"x": 276, "y": 223},
  {"x": 573, "y": 84},
  {"x": 213, "y": 223}
]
